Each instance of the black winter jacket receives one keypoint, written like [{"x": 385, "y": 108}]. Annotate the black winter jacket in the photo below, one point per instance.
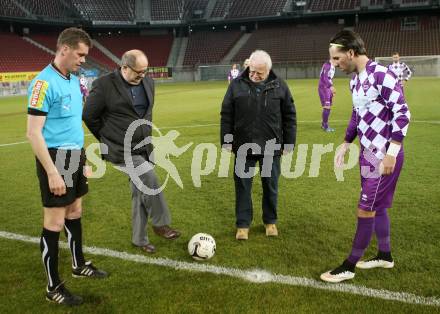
[{"x": 257, "y": 114}]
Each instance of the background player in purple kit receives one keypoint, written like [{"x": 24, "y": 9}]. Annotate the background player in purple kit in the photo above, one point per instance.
[
  {"x": 400, "y": 69},
  {"x": 83, "y": 87},
  {"x": 233, "y": 73},
  {"x": 380, "y": 119},
  {"x": 326, "y": 92}
]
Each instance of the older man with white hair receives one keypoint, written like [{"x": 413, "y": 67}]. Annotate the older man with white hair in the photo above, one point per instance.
[{"x": 258, "y": 123}]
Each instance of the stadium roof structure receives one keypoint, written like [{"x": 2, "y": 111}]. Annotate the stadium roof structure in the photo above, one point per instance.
[{"x": 172, "y": 13}]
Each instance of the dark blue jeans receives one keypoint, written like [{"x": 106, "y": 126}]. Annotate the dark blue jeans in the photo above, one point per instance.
[{"x": 243, "y": 189}]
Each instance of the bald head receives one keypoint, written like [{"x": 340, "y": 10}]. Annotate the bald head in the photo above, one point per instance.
[
  {"x": 132, "y": 57},
  {"x": 134, "y": 64}
]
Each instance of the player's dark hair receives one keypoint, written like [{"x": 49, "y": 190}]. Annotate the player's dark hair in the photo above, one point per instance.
[
  {"x": 72, "y": 36},
  {"x": 346, "y": 40},
  {"x": 395, "y": 53}
]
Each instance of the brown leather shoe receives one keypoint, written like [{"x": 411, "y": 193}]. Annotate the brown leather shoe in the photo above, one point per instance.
[
  {"x": 166, "y": 232},
  {"x": 149, "y": 248}
]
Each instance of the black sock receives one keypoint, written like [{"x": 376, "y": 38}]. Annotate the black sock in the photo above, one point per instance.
[
  {"x": 349, "y": 266},
  {"x": 74, "y": 238},
  {"x": 49, "y": 251},
  {"x": 386, "y": 256},
  {"x": 346, "y": 265}
]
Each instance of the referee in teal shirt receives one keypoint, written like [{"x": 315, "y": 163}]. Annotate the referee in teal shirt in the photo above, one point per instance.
[{"x": 54, "y": 130}]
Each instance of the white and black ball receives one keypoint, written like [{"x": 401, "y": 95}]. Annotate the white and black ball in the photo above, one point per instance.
[{"x": 201, "y": 246}]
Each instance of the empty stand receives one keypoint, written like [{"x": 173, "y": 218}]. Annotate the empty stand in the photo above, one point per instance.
[
  {"x": 221, "y": 8},
  {"x": 49, "y": 40},
  {"x": 325, "y": 5},
  {"x": 178, "y": 9},
  {"x": 383, "y": 37},
  {"x": 290, "y": 42},
  {"x": 209, "y": 47},
  {"x": 192, "y": 5},
  {"x": 166, "y": 10},
  {"x": 9, "y": 8},
  {"x": 157, "y": 48},
  {"x": 249, "y": 8},
  {"x": 50, "y": 8},
  {"x": 20, "y": 56},
  {"x": 376, "y": 3},
  {"x": 106, "y": 10},
  {"x": 414, "y": 2}
]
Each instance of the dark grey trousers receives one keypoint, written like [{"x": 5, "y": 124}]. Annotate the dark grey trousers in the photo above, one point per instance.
[{"x": 144, "y": 205}]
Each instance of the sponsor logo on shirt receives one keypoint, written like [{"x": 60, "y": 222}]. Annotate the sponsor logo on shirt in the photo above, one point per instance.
[{"x": 38, "y": 94}]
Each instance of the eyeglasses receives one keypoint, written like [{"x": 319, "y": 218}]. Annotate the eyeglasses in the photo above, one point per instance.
[{"x": 141, "y": 72}]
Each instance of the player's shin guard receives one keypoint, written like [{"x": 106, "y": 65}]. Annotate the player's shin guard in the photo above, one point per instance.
[
  {"x": 49, "y": 253},
  {"x": 364, "y": 232},
  {"x": 382, "y": 229},
  {"x": 74, "y": 238}
]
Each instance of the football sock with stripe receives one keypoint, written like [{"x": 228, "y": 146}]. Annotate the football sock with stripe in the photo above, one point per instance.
[
  {"x": 74, "y": 238},
  {"x": 49, "y": 253}
]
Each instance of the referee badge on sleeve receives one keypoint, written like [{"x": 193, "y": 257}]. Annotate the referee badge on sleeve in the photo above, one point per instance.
[{"x": 38, "y": 94}]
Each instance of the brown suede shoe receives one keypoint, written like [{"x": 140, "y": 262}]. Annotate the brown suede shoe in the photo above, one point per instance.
[
  {"x": 271, "y": 230},
  {"x": 242, "y": 234},
  {"x": 166, "y": 232}
]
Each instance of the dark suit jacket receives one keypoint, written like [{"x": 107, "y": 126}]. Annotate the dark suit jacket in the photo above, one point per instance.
[{"x": 109, "y": 111}]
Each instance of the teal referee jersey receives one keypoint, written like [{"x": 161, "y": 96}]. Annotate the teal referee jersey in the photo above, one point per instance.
[{"x": 59, "y": 98}]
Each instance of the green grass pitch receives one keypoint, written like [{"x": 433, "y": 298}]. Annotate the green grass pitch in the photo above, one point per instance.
[{"x": 316, "y": 218}]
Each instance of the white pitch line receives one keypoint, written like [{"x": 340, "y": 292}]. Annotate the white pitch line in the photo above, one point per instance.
[
  {"x": 217, "y": 124},
  {"x": 255, "y": 275},
  {"x": 12, "y": 144}
]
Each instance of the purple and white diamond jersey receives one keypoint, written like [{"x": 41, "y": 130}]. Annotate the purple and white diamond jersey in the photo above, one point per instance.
[
  {"x": 380, "y": 113},
  {"x": 401, "y": 70},
  {"x": 233, "y": 74},
  {"x": 326, "y": 75}
]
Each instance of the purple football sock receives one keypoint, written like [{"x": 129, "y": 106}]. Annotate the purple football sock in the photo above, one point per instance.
[
  {"x": 364, "y": 231},
  {"x": 382, "y": 229},
  {"x": 325, "y": 115}
]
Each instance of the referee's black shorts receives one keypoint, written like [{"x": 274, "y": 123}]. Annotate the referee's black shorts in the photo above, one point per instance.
[{"x": 76, "y": 184}]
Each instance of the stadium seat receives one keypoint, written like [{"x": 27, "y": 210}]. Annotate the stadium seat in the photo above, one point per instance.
[
  {"x": 157, "y": 48},
  {"x": 49, "y": 40},
  {"x": 21, "y": 56},
  {"x": 209, "y": 47}
]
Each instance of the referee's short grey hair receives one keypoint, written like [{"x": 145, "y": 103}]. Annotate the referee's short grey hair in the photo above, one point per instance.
[{"x": 261, "y": 56}]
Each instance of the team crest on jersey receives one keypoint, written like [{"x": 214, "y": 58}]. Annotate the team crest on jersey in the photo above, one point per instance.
[
  {"x": 366, "y": 86},
  {"x": 38, "y": 94}
]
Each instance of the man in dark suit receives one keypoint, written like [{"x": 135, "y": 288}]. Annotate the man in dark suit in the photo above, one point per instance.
[{"x": 116, "y": 104}]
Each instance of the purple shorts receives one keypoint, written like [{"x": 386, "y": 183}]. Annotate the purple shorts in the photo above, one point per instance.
[
  {"x": 401, "y": 86},
  {"x": 377, "y": 191},
  {"x": 326, "y": 96}
]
